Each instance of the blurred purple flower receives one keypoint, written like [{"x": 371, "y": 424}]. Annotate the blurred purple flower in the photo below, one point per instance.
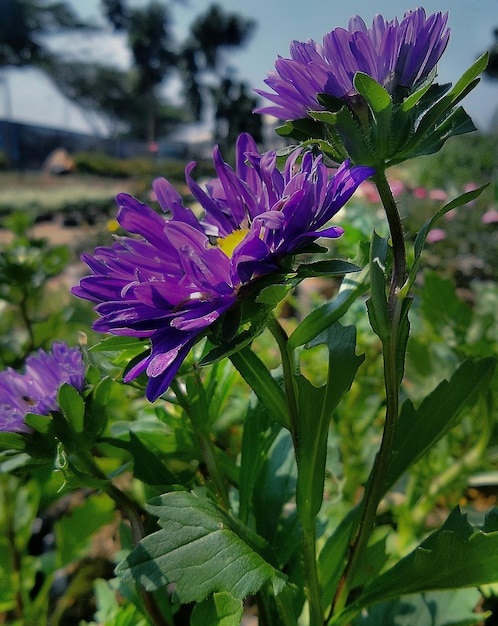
[
  {"x": 182, "y": 273},
  {"x": 35, "y": 391},
  {"x": 394, "y": 54}
]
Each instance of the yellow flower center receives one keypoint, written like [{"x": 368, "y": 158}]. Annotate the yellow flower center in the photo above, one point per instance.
[{"x": 230, "y": 242}]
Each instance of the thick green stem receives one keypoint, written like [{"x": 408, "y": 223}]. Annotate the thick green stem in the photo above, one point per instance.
[
  {"x": 390, "y": 347},
  {"x": 133, "y": 514},
  {"x": 397, "y": 238},
  {"x": 307, "y": 517}
]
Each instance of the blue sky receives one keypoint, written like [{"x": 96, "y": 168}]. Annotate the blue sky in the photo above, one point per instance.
[{"x": 278, "y": 22}]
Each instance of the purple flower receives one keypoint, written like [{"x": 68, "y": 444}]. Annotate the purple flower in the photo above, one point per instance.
[
  {"x": 394, "y": 54},
  {"x": 182, "y": 272},
  {"x": 35, "y": 391}
]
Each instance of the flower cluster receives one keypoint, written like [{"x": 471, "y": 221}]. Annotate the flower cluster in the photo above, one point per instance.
[
  {"x": 183, "y": 272},
  {"x": 35, "y": 391},
  {"x": 394, "y": 54}
]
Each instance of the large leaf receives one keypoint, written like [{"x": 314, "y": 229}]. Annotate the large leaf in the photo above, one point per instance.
[
  {"x": 457, "y": 555},
  {"x": 202, "y": 550},
  {"x": 419, "y": 429},
  {"x": 437, "y": 608}
]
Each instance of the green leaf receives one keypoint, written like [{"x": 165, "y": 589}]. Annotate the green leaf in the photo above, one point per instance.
[
  {"x": 12, "y": 441},
  {"x": 73, "y": 406},
  {"x": 202, "y": 550},
  {"x": 437, "y": 608},
  {"x": 352, "y": 287},
  {"x": 334, "y": 267},
  {"x": 266, "y": 388},
  {"x": 316, "y": 407},
  {"x": 378, "y": 312},
  {"x": 41, "y": 423},
  {"x": 260, "y": 431},
  {"x": 455, "y": 556},
  {"x": 273, "y": 294},
  {"x": 381, "y": 106},
  {"x": 436, "y": 113},
  {"x": 419, "y": 429},
  {"x": 148, "y": 467},
  {"x": 220, "y": 609},
  {"x": 118, "y": 343}
]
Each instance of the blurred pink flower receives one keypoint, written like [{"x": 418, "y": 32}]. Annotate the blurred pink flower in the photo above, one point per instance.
[
  {"x": 397, "y": 187},
  {"x": 450, "y": 216},
  {"x": 436, "y": 234},
  {"x": 420, "y": 192},
  {"x": 368, "y": 191},
  {"x": 438, "y": 194},
  {"x": 490, "y": 217}
]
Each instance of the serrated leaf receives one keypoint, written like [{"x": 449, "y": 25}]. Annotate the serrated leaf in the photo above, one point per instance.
[
  {"x": 455, "y": 556},
  {"x": 202, "y": 550},
  {"x": 220, "y": 609},
  {"x": 437, "y": 608},
  {"x": 418, "y": 429}
]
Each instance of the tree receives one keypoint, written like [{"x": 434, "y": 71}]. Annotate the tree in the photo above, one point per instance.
[
  {"x": 22, "y": 25},
  {"x": 492, "y": 69},
  {"x": 233, "y": 113},
  {"x": 210, "y": 34}
]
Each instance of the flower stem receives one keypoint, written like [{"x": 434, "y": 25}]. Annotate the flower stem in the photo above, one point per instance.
[
  {"x": 305, "y": 514},
  {"x": 133, "y": 514},
  {"x": 206, "y": 443},
  {"x": 397, "y": 238},
  {"x": 390, "y": 353}
]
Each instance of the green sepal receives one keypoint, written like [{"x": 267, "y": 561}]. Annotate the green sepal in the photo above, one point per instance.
[
  {"x": 72, "y": 406},
  {"x": 12, "y": 441},
  {"x": 381, "y": 106},
  {"x": 301, "y": 130}
]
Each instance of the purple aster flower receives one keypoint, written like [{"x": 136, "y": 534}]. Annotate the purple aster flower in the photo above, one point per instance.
[
  {"x": 35, "y": 391},
  {"x": 182, "y": 272},
  {"x": 394, "y": 54}
]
